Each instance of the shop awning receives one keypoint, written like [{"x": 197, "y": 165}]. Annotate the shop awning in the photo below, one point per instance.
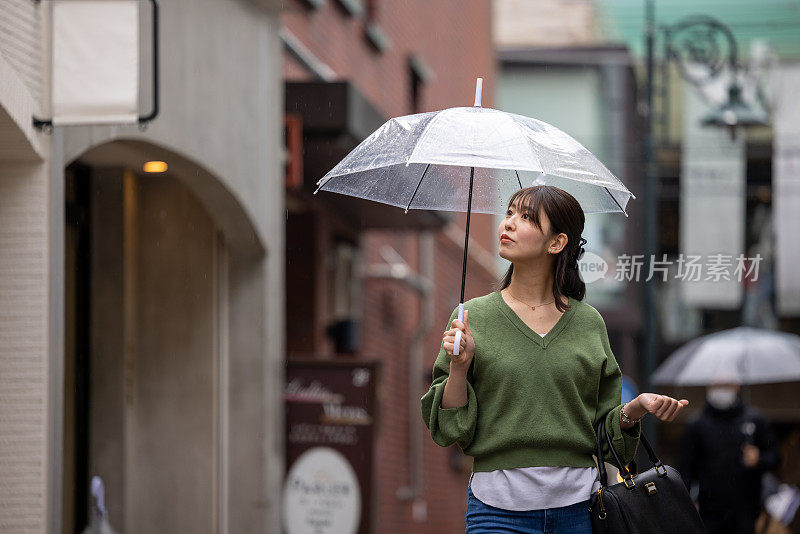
[{"x": 335, "y": 118}]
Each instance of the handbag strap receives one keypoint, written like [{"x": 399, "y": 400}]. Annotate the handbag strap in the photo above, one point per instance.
[
  {"x": 623, "y": 469},
  {"x": 603, "y": 430},
  {"x": 601, "y": 465}
]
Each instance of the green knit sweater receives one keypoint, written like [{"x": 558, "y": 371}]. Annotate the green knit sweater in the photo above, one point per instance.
[{"x": 531, "y": 401}]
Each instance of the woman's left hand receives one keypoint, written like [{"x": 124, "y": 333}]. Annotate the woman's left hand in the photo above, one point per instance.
[{"x": 662, "y": 406}]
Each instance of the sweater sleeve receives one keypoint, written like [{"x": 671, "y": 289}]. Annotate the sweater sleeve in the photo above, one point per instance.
[
  {"x": 609, "y": 403},
  {"x": 449, "y": 425}
]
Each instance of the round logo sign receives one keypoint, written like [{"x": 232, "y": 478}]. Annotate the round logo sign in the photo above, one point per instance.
[
  {"x": 321, "y": 494},
  {"x": 592, "y": 267}
]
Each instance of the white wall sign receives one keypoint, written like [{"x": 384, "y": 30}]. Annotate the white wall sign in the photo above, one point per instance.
[
  {"x": 95, "y": 61},
  {"x": 321, "y": 494}
]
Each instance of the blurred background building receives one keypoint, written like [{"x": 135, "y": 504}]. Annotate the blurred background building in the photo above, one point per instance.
[
  {"x": 718, "y": 194},
  {"x": 714, "y": 194}
]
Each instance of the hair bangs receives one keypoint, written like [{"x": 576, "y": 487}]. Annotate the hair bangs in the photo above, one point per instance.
[{"x": 529, "y": 201}]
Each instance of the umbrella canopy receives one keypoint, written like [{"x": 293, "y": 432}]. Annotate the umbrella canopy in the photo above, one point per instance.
[
  {"x": 423, "y": 161},
  {"x": 442, "y": 159},
  {"x": 745, "y": 355}
]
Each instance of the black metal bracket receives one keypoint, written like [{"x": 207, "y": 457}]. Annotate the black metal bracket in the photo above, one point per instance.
[
  {"x": 701, "y": 47},
  {"x": 697, "y": 39},
  {"x": 46, "y": 125}
]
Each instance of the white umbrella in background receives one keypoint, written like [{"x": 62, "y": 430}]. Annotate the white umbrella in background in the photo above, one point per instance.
[
  {"x": 471, "y": 159},
  {"x": 746, "y": 355}
]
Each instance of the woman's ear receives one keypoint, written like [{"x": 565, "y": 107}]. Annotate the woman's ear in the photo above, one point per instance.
[{"x": 558, "y": 244}]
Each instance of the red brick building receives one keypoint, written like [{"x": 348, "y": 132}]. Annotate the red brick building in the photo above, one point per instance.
[{"x": 349, "y": 66}]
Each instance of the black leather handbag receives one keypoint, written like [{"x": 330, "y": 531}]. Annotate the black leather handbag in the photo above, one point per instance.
[{"x": 653, "y": 502}]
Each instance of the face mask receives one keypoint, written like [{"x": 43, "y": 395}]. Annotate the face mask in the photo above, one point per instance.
[{"x": 721, "y": 398}]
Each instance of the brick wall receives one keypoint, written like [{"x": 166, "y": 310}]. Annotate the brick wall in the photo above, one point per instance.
[
  {"x": 454, "y": 39},
  {"x": 391, "y": 315}
]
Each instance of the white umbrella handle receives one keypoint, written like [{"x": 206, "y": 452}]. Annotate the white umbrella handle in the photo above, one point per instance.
[
  {"x": 478, "y": 91},
  {"x": 457, "y": 344}
]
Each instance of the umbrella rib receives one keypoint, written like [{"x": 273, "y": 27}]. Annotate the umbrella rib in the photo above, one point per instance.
[
  {"x": 428, "y": 166},
  {"x": 518, "y": 180},
  {"x": 615, "y": 201}
]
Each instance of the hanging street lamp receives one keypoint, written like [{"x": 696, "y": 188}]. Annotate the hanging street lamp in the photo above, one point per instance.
[
  {"x": 734, "y": 113},
  {"x": 696, "y": 44}
]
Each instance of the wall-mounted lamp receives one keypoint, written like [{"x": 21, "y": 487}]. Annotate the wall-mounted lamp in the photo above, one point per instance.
[{"x": 155, "y": 166}]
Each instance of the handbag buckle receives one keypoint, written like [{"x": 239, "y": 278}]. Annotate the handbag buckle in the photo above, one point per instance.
[
  {"x": 659, "y": 472},
  {"x": 602, "y": 514},
  {"x": 651, "y": 488},
  {"x": 626, "y": 480}
]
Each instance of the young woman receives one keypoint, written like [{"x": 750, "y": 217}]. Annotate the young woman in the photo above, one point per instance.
[{"x": 533, "y": 379}]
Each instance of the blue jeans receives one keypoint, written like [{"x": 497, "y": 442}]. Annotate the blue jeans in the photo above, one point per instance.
[{"x": 572, "y": 519}]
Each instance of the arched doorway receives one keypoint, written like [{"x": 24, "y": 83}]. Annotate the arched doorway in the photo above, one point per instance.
[{"x": 147, "y": 358}]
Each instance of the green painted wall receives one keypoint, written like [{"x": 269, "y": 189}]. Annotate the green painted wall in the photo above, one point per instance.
[
  {"x": 777, "y": 21},
  {"x": 569, "y": 99}
]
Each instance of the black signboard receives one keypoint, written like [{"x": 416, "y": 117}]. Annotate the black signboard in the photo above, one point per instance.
[{"x": 330, "y": 417}]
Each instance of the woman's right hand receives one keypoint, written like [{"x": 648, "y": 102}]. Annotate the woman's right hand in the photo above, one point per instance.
[{"x": 467, "y": 350}]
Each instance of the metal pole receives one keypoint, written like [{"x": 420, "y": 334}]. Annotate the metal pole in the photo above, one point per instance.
[
  {"x": 650, "y": 217},
  {"x": 466, "y": 234}
]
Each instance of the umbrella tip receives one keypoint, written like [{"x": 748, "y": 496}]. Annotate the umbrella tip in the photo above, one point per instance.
[
  {"x": 625, "y": 212},
  {"x": 478, "y": 90}
]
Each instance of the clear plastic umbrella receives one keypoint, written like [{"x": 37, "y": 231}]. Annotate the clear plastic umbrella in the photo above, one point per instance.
[
  {"x": 744, "y": 355},
  {"x": 471, "y": 159}
]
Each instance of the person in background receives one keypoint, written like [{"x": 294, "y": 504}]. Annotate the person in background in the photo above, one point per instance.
[{"x": 725, "y": 450}]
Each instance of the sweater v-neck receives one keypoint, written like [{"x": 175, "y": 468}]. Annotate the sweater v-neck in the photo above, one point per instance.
[{"x": 537, "y": 338}]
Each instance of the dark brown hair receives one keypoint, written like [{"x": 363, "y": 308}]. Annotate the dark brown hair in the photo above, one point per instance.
[{"x": 565, "y": 215}]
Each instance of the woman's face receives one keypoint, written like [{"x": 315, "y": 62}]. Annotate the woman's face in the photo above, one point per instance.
[{"x": 527, "y": 240}]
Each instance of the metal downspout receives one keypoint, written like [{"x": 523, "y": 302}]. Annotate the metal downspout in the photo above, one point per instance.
[{"x": 422, "y": 283}]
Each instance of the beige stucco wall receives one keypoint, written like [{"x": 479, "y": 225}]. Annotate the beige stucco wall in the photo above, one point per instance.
[
  {"x": 25, "y": 298},
  {"x": 221, "y": 114},
  {"x": 544, "y": 23},
  {"x": 221, "y": 99},
  {"x": 20, "y": 34}
]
